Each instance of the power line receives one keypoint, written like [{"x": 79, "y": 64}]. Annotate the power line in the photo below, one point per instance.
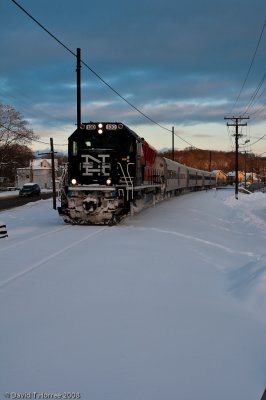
[
  {"x": 252, "y": 61},
  {"x": 41, "y": 26},
  {"x": 259, "y": 110},
  {"x": 257, "y": 140},
  {"x": 95, "y": 73},
  {"x": 87, "y": 66},
  {"x": 255, "y": 94}
]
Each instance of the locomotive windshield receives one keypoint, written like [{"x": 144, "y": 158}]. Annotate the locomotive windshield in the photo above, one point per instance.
[
  {"x": 108, "y": 141},
  {"x": 96, "y": 141}
]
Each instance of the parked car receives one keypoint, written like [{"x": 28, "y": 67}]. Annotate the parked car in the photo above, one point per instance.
[{"x": 30, "y": 189}]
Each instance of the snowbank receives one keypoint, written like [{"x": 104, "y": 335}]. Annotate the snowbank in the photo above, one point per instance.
[{"x": 168, "y": 305}]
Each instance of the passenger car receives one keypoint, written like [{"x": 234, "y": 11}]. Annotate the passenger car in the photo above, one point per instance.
[{"x": 30, "y": 189}]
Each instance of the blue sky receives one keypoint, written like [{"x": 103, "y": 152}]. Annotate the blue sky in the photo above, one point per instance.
[{"x": 182, "y": 63}]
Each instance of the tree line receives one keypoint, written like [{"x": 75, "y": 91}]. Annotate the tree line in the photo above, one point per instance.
[{"x": 218, "y": 160}]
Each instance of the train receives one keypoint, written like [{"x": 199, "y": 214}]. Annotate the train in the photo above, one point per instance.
[{"x": 112, "y": 172}]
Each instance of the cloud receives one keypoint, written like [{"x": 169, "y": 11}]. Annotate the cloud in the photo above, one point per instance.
[{"x": 181, "y": 63}]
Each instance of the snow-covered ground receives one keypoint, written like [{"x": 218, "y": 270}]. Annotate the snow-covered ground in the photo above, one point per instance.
[
  {"x": 170, "y": 304},
  {"x": 9, "y": 193},
  {"x": 15, "y": 193}
]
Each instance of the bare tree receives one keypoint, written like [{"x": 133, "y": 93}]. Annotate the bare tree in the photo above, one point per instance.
[
  {"x": 13, "y": 129},
  {"x": 15, "y": 137}
]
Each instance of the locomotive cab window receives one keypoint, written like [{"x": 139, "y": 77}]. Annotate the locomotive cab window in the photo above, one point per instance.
[
  {"x": 128, "y": 145},
  {"x": 74, "y": 148}
]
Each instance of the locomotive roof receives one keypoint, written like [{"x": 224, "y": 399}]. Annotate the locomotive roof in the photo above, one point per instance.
[{"x": 110, "y": 126}]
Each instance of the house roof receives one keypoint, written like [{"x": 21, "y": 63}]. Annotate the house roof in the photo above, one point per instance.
[
  {"x": 43, "y": 163},
  {"x": 216, "y": 171}
]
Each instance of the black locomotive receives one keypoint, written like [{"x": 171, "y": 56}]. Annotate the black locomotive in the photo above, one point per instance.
[{"x": 113, "y": 171}]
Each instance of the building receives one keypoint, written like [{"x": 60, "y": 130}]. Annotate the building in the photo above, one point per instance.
[
  {"x": 39, "y": 171},
  {"x": 231, "y": 177},
  {"x": 251, "y": 177},
  {"x": 220, "y": 176}
]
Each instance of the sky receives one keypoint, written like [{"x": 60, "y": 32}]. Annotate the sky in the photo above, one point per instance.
[
  {"x": 184, "y": 64},
  {"x": 173, "y": 308}
]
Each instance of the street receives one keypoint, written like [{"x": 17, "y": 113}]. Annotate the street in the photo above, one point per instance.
[{"x": 11, "y": 201}]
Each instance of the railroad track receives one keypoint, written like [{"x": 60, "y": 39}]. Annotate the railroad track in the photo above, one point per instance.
[{"x": 13, "y": 276}]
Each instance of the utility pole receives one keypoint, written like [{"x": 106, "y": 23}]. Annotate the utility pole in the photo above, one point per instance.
[
  {"x": 247, "y": 141},
  {"x": 31, "y": 171},
  {"x": 245, "y": 169},
  {"x": 78, "y": 89},
  {"x": 236, "y": 123},
  {"x": 53, "y": 173},
  {"x": 52, "y": 152},
  {"x": 173, "y": 143}
]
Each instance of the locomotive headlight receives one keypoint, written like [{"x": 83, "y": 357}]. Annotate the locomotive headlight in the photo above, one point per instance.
[
  {"x": 108, "y": 181},
  {"x": 73, "y": 181},
  {"x": 100, "y": 130}
]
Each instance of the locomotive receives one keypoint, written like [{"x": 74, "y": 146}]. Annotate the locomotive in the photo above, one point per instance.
[{"x": 112, "y": 171}]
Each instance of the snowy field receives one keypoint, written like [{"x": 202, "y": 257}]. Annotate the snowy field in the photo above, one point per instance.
[{"x": 168, "y": 305}]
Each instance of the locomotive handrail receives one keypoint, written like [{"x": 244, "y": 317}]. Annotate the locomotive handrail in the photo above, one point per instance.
[
  {"x": 130, "y": 178},
  {"x": 127, "y": 178}
]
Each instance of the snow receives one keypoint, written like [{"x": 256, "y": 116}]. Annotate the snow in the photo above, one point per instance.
[
  {"x": 11, "y": 193},
  {"x": 15, "y": 193},
  {"x": 170, "y": 304}
]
